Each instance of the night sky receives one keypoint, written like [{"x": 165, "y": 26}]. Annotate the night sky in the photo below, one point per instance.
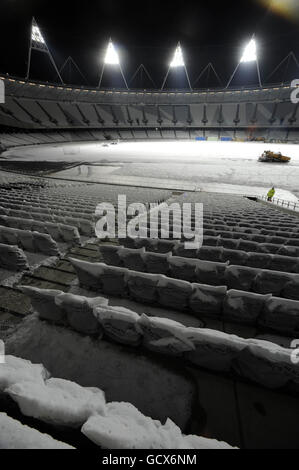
[{"x": 147, "y": 32}]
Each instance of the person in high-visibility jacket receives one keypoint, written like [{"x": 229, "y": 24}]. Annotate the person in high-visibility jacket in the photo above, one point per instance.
[{"x": 271, "y": 194}]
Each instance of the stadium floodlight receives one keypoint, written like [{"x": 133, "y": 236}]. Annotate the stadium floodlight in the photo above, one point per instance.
[
  {"x": 249, "y": 55},
  {"x": 36, "y": 35},
  {"x": 250, "y": 52},
  {"x": 178, "y": 59},
  {"x": 177, "y": 62},
  {"x": 111, "y": 57},
  {"x": 38, "y": 43}
]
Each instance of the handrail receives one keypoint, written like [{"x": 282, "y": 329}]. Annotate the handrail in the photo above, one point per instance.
[{"x": 291, "y": 205}]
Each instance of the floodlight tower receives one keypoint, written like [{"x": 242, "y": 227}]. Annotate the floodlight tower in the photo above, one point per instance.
[
  {"x": 249, "y": 55},
  {"x": 112, "y": 58},
  {"x": 38, "y": 43},
  {"x": 177, "y": 62}
]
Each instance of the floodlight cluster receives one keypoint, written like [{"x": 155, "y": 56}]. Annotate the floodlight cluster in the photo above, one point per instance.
[
  {"x": 111, "y": 57},
  {"x": 36, "y": 35},
  {"x": 250, "y": 52},
  {"x": 178, "y": 59}
]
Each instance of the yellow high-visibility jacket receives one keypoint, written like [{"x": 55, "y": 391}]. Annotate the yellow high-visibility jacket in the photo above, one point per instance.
[{"x": 271, "y": 193}]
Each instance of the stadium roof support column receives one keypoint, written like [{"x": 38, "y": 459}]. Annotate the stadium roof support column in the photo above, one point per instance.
[
  {"x": 112, "y": 58},
  {"x": 38, "y": 43},
  {"x": 249, "y": 55},
  {"x": 177, "y": 61}
]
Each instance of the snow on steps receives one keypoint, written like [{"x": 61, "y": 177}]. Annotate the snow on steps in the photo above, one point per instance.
[
  {"x": 64, "y": 403},
  {"x": 259, "y": 361},
  {"x": 233, "y": 305},
  {"x": 125, "y": 425}
]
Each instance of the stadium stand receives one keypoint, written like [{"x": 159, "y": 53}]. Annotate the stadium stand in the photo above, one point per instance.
[
  {"x": 34, "y": 112},
  {"x": 224, "y": 313},
  {"x": 211, "y": 326}
]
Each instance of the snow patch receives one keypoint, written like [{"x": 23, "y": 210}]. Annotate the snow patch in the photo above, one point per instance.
[
  {"x": 57, "y": 401},
  {"x": 19, "y": 370},
  {"x": 16, "y": 436}
]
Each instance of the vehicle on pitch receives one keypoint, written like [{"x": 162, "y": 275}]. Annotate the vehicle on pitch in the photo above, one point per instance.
[{"x": 273, "y": 157}]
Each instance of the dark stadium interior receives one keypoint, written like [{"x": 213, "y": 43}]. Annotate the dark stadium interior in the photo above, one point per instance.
[{"x": 176, "y": 329}]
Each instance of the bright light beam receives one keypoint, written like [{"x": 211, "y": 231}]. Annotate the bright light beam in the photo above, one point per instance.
[
  {"x": 178, "y": 59},
  {"x": 111, "y": 57},
  {"x": 250, "y": 52}
]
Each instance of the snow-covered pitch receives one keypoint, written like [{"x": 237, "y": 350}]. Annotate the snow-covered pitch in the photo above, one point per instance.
[{"x": 223, "y": 167}]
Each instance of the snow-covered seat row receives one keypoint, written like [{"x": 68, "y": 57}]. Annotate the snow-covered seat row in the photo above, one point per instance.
[
  {"x": 135, "y": 258},
  {"x": 29, "y": 241},
  {"x": 253, "y": 228},
  {"x": 255, "y": 216},
  {"x": 192, "y": 270},
  {"x": 236, "y": 231},
  {"x": 11, "y": 202},
  {"x": 197, "y": 299},
  {"x": 12, "y": 258},
  {"x": 37, "y": 200},
  {"x": 262, "y": 362},
  {"x": 85, "y": 226},
  {"x": 248, "y": 221},
  {"x": 253, "y": 246},
  {"x": 59, "y": 232},
  {"x": 150, "y": 288},
  {"x": 6, "y": 208},
  {"x": 61, "y": 308},
  {"x": 40, "y": 197},
  {"x": 252, "y": 279},
  {"x": 271, "y": 237},
  {"x": 285, "y": 259},
  {"x": 70, "y": 408},
  {"x": 285, "y": 285},
  {"x": 279, "y": 239}
]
